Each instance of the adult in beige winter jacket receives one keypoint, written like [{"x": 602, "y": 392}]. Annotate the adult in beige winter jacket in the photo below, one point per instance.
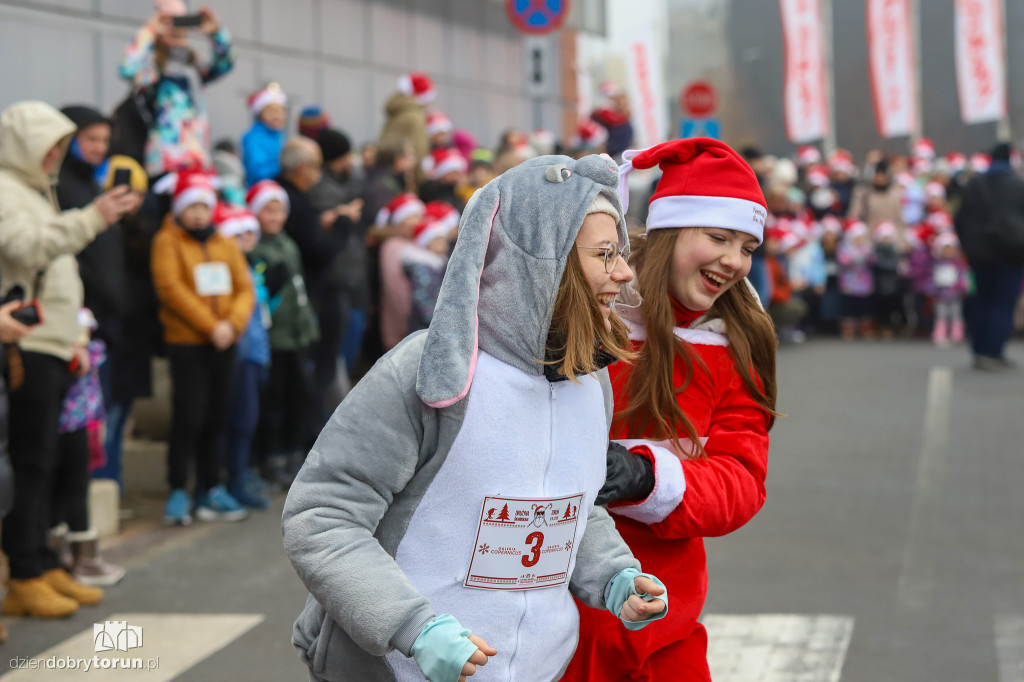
[
  {"x": 407, "y": 121},
  {"x": 37, "y": 247}
]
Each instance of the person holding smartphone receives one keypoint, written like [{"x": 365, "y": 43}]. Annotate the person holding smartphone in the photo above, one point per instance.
[
  {"x": 162, "y": 65},
  {"x": 37, "y": 247}
]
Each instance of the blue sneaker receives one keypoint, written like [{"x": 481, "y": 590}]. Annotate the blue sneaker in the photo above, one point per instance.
[
  {"x": 176, "y": 511},
  {"x": 247, "y": 494},
  {"x": 218, "y": 505}
]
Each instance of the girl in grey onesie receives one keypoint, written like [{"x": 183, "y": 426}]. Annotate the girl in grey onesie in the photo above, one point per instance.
[{"x": 445, "y": 516}]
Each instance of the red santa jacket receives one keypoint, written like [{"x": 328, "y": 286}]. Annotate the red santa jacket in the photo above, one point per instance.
[{"x": 692, "y": 499}]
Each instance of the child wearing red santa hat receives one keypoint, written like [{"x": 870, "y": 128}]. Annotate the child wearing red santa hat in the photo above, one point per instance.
[
  {"x": 263, "y": 142},
  {"x": 694, "y": 408},
  {"x": 206, "y": 299}
]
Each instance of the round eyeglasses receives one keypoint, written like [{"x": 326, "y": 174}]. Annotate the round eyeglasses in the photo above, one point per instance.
[{"x": 611, "y": 253}]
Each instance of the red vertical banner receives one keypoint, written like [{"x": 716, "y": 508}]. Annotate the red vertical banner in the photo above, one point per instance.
[
  {"x": 980, "y": 60},
  {"x": 805, "y": 91},
  {"x": 892, "y": 66}
]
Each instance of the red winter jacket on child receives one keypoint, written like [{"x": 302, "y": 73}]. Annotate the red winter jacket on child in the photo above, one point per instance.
[{"x": 692, "y": 499}]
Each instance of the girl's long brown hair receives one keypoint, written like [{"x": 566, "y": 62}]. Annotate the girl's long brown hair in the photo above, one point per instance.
[
  {"x": 577, "y": 328},
  {"x": 652, "y": 406}
]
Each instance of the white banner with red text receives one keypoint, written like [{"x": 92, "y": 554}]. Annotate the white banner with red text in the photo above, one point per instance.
[
  {"x": 805, "y": 94},
  {"x": 892, "y": 66},
  {"x": 980, "y": 60},
  {"x": 646, "y": 90}
]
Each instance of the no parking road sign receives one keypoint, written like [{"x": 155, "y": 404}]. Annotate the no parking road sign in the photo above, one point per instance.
[{"x": 537, "y": 16}]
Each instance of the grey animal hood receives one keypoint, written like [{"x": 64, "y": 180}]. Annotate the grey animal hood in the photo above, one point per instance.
[{"x": 499, "y": 290}]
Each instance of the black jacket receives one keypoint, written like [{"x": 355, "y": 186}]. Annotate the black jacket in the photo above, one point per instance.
[
  {"x": 318, "y": 246},
  {"x": 990, "y": 221}
]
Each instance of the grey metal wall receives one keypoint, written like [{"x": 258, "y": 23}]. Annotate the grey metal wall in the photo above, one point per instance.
[
  {"x": 755, "y": 41},
  {"x": 343, "y": 54}
]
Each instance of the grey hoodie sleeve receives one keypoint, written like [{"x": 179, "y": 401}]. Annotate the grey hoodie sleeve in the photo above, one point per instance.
[{"x": 363, "y": 458}]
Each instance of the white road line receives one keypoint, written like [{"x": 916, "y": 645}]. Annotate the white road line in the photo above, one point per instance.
[
  {"x": 915, "y": 576},
  {"x": 777, "y": 647},
  {"x": 1010, "y": 648},
  {"x": 172, "y": 643}
]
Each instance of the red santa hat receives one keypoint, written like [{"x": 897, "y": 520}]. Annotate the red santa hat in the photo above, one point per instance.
[
  {"x": 922, "y": 166},
  {"x": 956, "y": 161},
  {"x": 980, "y": 162},
  {"x": 842, "y": 161},
  {"x": 438, "y": 122},
  {"x": 935, "y": 189},
  {"x": 401, "y": 207},
  {"x": 704, "y": 183},
  {"x": 854, "y": 229},
  {"x": 271, "y": 94},
  {"x": 192, "y": 187},
  {"x": 263, "y": 192},
  {"x": 817, "y": 176},
  {"x": 831, "y": 225},
  {"x": 807, "y": 155},
  {"x": 884, "y": 230},
  {"x": 939, "y": 221},
  {"x": 443, "y": 161},
  {"x": 427, "y": 231},
  {"x": 923, "y": 149},
  {"x": 232, "y": 221},
  {"x": 442, "y": 212},
  {"x": 590, "y": 134},
  {"x": 418, "y": 86}
]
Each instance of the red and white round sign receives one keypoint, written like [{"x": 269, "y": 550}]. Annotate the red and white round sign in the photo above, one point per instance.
[{"x": 698, "y": 99}]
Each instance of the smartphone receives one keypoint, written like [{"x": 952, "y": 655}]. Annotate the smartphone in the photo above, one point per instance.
[
  {"x": 187, "y": 21},
  {"x": 28, "y": 314},
  {"x": 122, "y": 177}
]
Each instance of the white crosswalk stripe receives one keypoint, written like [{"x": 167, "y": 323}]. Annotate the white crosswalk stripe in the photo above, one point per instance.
[
  {"x": 170, "y": 645},
  {"x": 777, "y": 647}
]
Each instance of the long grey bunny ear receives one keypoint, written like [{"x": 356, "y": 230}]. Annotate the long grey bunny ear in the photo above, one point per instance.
[{"x": 450, "y": 353}]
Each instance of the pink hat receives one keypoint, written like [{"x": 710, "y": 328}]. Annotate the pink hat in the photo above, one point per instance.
[
  {"x": 271, "y": 94},
  {"x": 418, "y": 86},
  {"x": 807, "y": 155},
  {"x": 263, "y": 192},
  {"x": 705, "y": 183},
  {"x": 193, "y": 187},
  {"x": 590, "y": 134},
  {"x": 438, "y": 123},
  {"x": 401, "y": 207},
  {"x": 923, "y": 149},
  {"x": 427, "y": 231},
  {"x": 443, "y": 161},
  {"x": 232, "y": 221},
  {"x": 442, "y": 212}
]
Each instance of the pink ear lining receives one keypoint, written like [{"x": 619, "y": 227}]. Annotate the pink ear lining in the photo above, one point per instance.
[{"x": 476, "y": 324}]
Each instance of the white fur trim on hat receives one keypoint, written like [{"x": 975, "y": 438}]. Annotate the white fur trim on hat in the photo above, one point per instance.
[
  {"x": 451, "y": 163},
  {"x": 430, "y": 233},
  {"x": 265, "y": 196},
  {"x": 194, "y": 195},
  {"x": 238, "y": 225},
  {"x": 266, "y": 97},
  {"x": 729, "y": 213}
]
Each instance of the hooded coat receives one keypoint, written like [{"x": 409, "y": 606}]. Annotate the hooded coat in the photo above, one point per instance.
[
  {"x": 37, "y": 240},
  {"x": 449, "y": 416}
]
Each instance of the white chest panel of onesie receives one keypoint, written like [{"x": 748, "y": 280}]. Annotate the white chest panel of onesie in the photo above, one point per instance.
[{"x": 523, "y": 438}]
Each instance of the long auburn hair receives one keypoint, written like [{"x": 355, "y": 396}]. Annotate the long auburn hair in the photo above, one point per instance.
[
  {"x": 577, "y": 330},
  {"x": 652, "y": 406}
]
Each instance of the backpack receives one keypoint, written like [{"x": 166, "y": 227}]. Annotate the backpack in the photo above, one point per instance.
[{"x": 131, "y": 123}]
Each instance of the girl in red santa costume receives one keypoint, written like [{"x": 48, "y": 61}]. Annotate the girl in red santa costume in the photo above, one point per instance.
[{"x": 693, "y": 410}]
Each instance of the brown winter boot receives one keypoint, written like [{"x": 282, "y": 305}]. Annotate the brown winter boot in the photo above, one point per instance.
[
  {"x": 88, "y": 567},
  {"x": 61, "y": 581},
  {"x": 35, "y": 597}
]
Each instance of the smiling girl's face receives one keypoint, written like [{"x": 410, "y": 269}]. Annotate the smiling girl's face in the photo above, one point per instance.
[{"x": 706, "y": 262}]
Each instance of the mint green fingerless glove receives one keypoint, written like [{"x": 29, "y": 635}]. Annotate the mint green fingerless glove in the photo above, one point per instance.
[
  {"x": 442, "y": 648},
  {"x": 618, "y": 591}
]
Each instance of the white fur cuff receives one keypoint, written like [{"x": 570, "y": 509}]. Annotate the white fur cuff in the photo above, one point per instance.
[{"x": 669, "y": 486}]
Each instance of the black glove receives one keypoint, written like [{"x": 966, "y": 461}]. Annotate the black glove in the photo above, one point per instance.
[
  {"x": 627, "y": 476},
  {"x": 275, "y": 278}
]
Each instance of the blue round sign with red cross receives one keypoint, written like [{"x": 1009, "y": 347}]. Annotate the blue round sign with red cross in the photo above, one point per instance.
[{"x": 537, "y": 16}]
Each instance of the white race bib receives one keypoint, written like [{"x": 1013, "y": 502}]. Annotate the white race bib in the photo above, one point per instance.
[
  {"x": 945, "y": 275},
  {"x": 212, "y": 279},
  {"x": 524, "y": 544}
]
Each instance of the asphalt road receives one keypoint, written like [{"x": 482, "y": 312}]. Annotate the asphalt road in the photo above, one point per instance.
[{"x": 891, "y": 547}]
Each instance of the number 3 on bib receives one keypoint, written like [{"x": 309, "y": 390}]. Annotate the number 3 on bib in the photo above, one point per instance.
[{"x": 537, "y": 540}]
